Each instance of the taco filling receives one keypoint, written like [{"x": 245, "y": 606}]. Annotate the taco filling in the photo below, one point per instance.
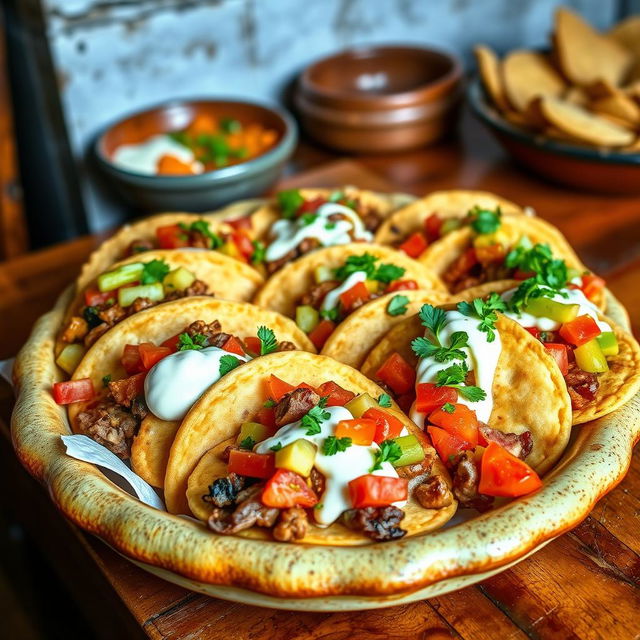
[
  {"x": 319, "y": 456},
  {"x": 165, "y": 380},
  {"x": 338, "y": 292},
  {"x": 305, "y": 225}
]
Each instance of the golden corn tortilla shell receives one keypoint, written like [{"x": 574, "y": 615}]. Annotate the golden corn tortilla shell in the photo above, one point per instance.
[
  {"x": 114, "y": 248},
  {"x": 529, "y": 393},
  {"x": 238, "y": 396},
  {"x": 627, "y": 34},
  {"x": 360, "y": 331},
  {"x": 447, "y": 204},
  {"x": 150, "y": 449},
  {"x": 283, "y": 289},
  {"x": 441, "y": 254},
  {"x": 165, "y": 320},
  {"x": 490, "y": 70},
  {"x": 227, "y": 278},
  {"x": 584, "y": 55}
]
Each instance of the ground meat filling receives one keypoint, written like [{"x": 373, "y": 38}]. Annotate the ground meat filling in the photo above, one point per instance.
[
  {"x": 294, "y": 405},
  {"x": 377, "y": 523},
  {"x": 139, "y": 246},
  {"x": 517, "y": 444},
  {"x": 465, "y": 484},
  {"x": 292, "y": 525},
  {"x": 582, "y": 386},
  {"x": 223, "y": 492},
  {"x": 487, "y": 265},
  {"x": 110, "y": 425},
  {"x": 434, "y": 493},
  {"x": 249, "y": 512}
]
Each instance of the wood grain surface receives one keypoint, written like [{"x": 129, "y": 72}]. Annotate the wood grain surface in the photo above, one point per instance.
[{"x": 584, "y": 584}]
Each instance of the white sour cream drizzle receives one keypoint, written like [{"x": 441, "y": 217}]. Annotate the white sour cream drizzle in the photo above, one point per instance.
[
  {"x": 174, "y": 384},
  {"x": 290, "y": 233},
  {"x": 339, "y": 469},
  {"x": 331, "y": 299},
  {"x": 482, "y": 358},
  {"x": 144, "y": 157}
]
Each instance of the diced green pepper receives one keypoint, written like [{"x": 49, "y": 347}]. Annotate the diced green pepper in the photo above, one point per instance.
[
  {"x": 412, "y": 451},
  {"x": 573, "y": 273},
  {"x": 360, "y": 404},
  {"x": 589, "y": 357},
  {"x": 323, "y": 273},
  {"x": 307, "y": 318},
  {"x": 298, "y": 457},
  {"x": 449, "y": 225},
  {"x": 70, "y": 357},
  {"x": 178, "y": 280},
  {"x": 128, "y": 295},
  {"x": 608, "y": 343},
  {"x": 547, "y": 308},
  {"x": 254, "y": 430},
  {"x": 126, "y": 274}
]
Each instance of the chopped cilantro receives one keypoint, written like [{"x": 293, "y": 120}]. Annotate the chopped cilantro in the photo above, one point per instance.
[
  {"x": 390, "y": 451},
  {"x": 230, "y": 125},
  {"x": 308, "y": 218},
  {"x": 154, "y": 271},
  {"x": 181, "y": 137},
  {"x": 397, "y": 305},
  {"x": 202, "y": 227},
  {"x": 329, "y": 314},
  {"x": 270, "y": 403},
  {"x": 248, "y": 443},
  {"x": 485, "y": 220},
  {"x": 447, "y": 407},
  {"x": 106, "y": 380},
  {"x": 276, "y": 447},
  {"x": 384, "y": 400},
  {"x": 433, "y": 318},
  {"x": 329, "y": 226},
  {"x": 186, "y": 342},
  {"x": 333, "y": 445},
  {"x": 228, "y": 363},
  {"x": 259, "y": 252},
  {"x": 336, "y": 196},
  {"x": 387, "y": 273},
  {"x": 425, "y": 347},
  {"x": 289, "y": 202},
  {"x": 485, "y": 310},
  {"x": 454, "y": 376},
  {"x": 268, "y": 342},
  {"x": 315, "y": 417},
  {"x": 366, "y": 262}
]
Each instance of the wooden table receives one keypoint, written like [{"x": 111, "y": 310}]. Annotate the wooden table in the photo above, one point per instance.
[{"x": 582, "y": 585}]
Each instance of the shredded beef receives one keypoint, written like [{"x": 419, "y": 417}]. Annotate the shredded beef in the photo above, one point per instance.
[
  {"x": 307, "y": 245},
  {"x": 517, "y": 444},
  {"x": 292, "y": 525},
  {"x": 378, "y": 523},
  {"x": 370, "y": 219},
  {"x": 274, "y": 265},
  {"x": 139, "y": 408},
  {"x": 285, "y": 345},
  {"x": 218, "y": 339},
  {"x": 123, "y": 391},
  {"x": 582, "y": 386},
  {"x": 111, "y": 314},
  {"x": 294, "y": 405},
  {"x": 76, "y": 330},
  {"x": 198, "y": 288},
  {"x": 208, "y": 330},
  {"x": 111, "y": 425},
  {"x": 249, "y": 512},
  {"x": 317, "y": 482},
  {"x": 223, "y": 492},
  {"x": 465, "y": 484},
  {"x": 433, "y": 493},
  {"x": 317, "y": 293},
  {"x": 139, "y": 246},
  {"x": 199, "y": 240},
  {"x": 95, "y": 333},
  {"x": 139, "y": 304}
]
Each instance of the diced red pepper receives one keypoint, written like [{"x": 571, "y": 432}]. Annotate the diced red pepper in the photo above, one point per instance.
[
  {"x": 266, "y": 416},
  {"x": 248, "y": 463},
  {"x": 402, "y": 285},
  {"x": 534, "y": 331},
  {"x": 93, "y": 297},
  {"x": 233, "y": 345},
  {"x": 388, "y": 426},
  {"x": 448, "y": 446},
  {"x": 243, "y": 242},
  {"x": 414, "y": 245},
  {"x": 468, "y": 260},
  {"x": 131, "y": 360},
  {"x": 360, "y": 430},
  {"x": 277, "y": 388},
  {"x": 433, "y": 226},
  {"x": 287, "y": 489},
  {"x": 490, "y": 253},
  {"x": 559, "y": 353},
  {"x": 335, "y": 394},
  {"x": 462, "y": 423},
  {"x": 592, "y": 285},
  {"x": 311, "y": 206},
  {"x": 580, "y": 330},
  {"x": 73, "y": 391},
  {"x": 357, "y": 295},
  {"x": 321, "y": 332},
  {"x": 244, "y": 223},
  {"x": 150, "y": 354},
  {"x": 377, "y": 491},
  {"x": 429, "y": 396},
  {"x": 172, "y": 236},
  {"x": 397, "y": 373},
  {"x": 502, "y": 474},
  {"x": 172, "y": 342},
  {"x": 253, "y": 345}
]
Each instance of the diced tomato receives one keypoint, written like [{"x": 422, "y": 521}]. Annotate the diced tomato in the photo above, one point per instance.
[
  {"x": 580, "y": 330},
  {"x": 360, "y": 430},
  {"x": 355, "y": 296},
  {"x": 335, "y": 394},
  {"x": 245, "y": 223},
  {"x": 397, "y": 373},
  {"x": 502, "y": 474},
  {"x": 433, "y": 226},
  {"x": 150, "y": 354},
  {"x": 592, "y": 285},
  {"x": 93, "y": 297},
  {"x": 131, "y": 360},
  {"x": 321, "y": 332},
  {"x": 559, "y": 353},
  {"x": 277, "y": 388},
  {"x": 429, "y": 396},
  {"x": 414, "y": 245},
  {"x": 310, "y": 206},
  {"x": 377, "y": 491},
  {"x": 233, "y": 345},
  {"x": 468, "y": 260},
  {"x": 266, "y": 416},
  {"x": 462, "y": 422},
  {"x": 243, "y": 242},
  {"x": 286, "y": 489},
  {"x": 402, "y": 285},
  {"x": 447, "y": 445},
  {"x": 126, "y": 389},
  {"x": 405, "y": 401},
  {"x": 172, "y": 237},
  {"x": 534, "y": 331},
  {"x": 523, "y": 275},
  {"x": 490, "y": 253},
  {"x": 73, "y": 391},
  {"x": 172, "y": 342},
  {"x": 248, "y": 463},
  {"x": 388, "y": 426},
  {"x": 253, "y": 345}
]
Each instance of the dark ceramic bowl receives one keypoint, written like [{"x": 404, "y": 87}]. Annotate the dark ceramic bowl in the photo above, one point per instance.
[
  {"x": 380, "y": 99},
  {"x": 203, "y": 191},
  {"x": 588, "y": 168}
]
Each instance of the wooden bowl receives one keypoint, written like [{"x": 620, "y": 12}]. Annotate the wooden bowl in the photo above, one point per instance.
[
  {"x": 588, "y": 168},
  {"x": 206, "y": 190},
  {"x": 380, "y": 99}
]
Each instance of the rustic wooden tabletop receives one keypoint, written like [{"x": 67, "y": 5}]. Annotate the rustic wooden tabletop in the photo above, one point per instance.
[{"x": 584, "y": 584}]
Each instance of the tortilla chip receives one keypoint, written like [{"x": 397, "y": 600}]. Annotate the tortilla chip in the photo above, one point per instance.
[
  {"x": 529, "y": 393},
  {"x": 627, "y": 34},
  {"x": 284, "y": 288},
  {"x": 447, "y": 204},
  {"x": 150, "y": 449},
  {"x": 360, "y": 331},
  {"x": 490, "y": 70}
]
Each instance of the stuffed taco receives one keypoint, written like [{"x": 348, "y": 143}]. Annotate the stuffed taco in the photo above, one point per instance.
[
  {"x": 492, "y": 400},
  {"x": 299, "y": 447},
  {"x": 140, "y": 282},
  {"x": 323, "y": 288},
  {"x": 137, "y": 382}
]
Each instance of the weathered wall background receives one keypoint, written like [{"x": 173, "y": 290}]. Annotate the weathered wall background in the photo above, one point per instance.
[{"x": 115, "y": 56}]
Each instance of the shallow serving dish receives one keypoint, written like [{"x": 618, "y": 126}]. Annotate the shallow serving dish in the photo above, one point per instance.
[
  {"x": 303, "y": 577},
  {"x": 589, "y": 168},
  {"x": 206, "y": 190}
]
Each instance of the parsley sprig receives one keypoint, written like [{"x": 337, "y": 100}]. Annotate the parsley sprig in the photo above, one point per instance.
[
  {"x": 202, "y": 227},
  {"x": 397, "y": 305},
  {"x": 248, "y": 443},
  {"x": 333, "y": 445},
  {"x": 484, "y": 220},
  {"x": 228, "y": 363},
  {"x": 313, "y": 420},
  {"x": 289, "y": 202},
  {"x": 154, "y": 271},
  {"x": 389, "y": 451},
  {"x": 434, "y": 319},
  {"x": 366, "y": 262},
  {"x": 485, "y": 310},
  {"x": 187, "y": 342},
  {"x": 454, "y": 376},
  {"x": 384, "y": 400},
  {"x": 268, "y": 342}
]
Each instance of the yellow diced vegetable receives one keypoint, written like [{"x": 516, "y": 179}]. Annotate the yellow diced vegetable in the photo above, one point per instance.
[
  {"x": 556, "y": 311},
  {"x": 372, "y": 286},
  {"x": 298, "y": 457},
  {"x": 230, "y": 249},
  {"x": 360, "y": 404},
  {"x": 178, "y": 280},
  {"x": 487, "y": 239},
  {"x": 608, "y": 343},
  {"x": 254, "y": 430},
  {"x": 307, "y": 317},
  {"x": 412, "y": 451},
  {"x": 589, "y": 357},
  {"x": 70, "y": 357},
  {"x": 323, "y": 273}
]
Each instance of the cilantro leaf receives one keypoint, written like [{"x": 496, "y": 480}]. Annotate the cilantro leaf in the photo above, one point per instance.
[
  {"x": 186, "y": 342},
  {"x": 289, "y": 202},
  {"x": 485, "y": 220},
  {"x": 154, "y": 271},
  {"x": 336, "y": 196},
  {"x": 433, "y": 318},
  {"x": 268, "y": 342},
  {"x": 485, "y": 310},
  {"x": 390, "y": 451},
  {"x": 397, "y": 305},
  {"x": 472, "y": 394},
  {"x": 365, "y": 262},
  {"x": 454, "y": 376},
  {"x": 330, "y": 314},
  {"x": 181, "y": 137},
  {"x": 106, "y": 380},
  {"x": 230, "y": 125},
  {"x": 259, "y": 252},
  {"x": 333, "y": 445},
  {"x": 315, "y": 417},
  {"x": 276, "y": 447},
  {"x": 228, "y": 363},
  {"x": 387, "y": 273},
  {"x": 329, "y": 226},
  {"x": 269, "y": 403},
  {"x": 384, "y": 400},
  {"x": 248, "y": 443},
  {"x": 202, "y": 227},
  {"x": 425, "y": 348},
  {"x": 447, "y": 407},
  {"x": 308, "y": 218}
]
